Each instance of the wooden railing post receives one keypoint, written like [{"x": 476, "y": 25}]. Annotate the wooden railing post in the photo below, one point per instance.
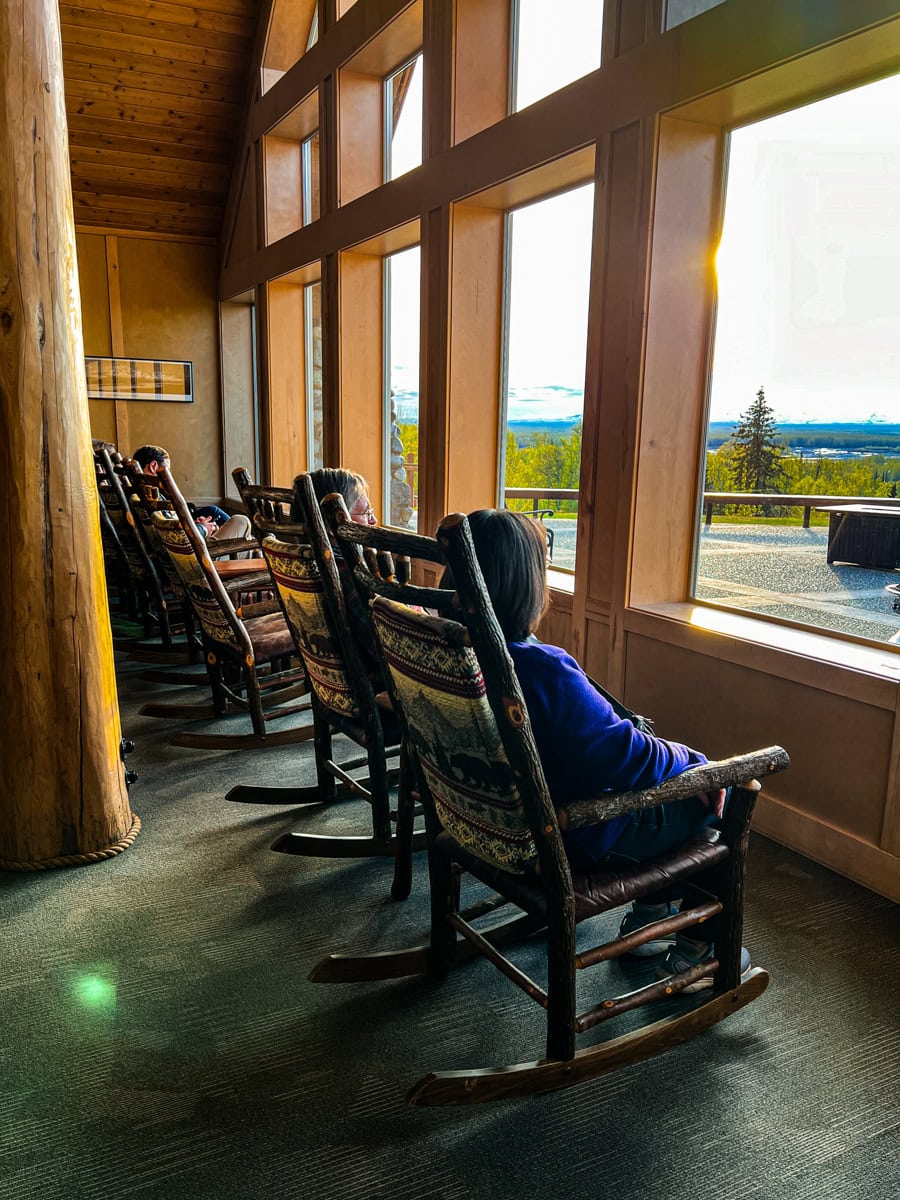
[{"x": 62, "y": 789}]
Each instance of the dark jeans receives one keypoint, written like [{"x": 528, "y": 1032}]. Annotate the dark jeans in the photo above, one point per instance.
[
  {"x": 654, "y": 831},
  {"x": 219, "y": 515}
]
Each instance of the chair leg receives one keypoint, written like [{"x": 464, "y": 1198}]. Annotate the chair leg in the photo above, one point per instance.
[
  {"x": 254, "y": 702},
  {"x": 406, "y": 816},
  {"x": 444, "y": 886},
  {"x": 729, "y": 880},
  {"x": 379, "y": 789},
  {"x": 327, "y": 788},
  {"x": 214, "y": 668},
  {"x": 561, "y": 987}
]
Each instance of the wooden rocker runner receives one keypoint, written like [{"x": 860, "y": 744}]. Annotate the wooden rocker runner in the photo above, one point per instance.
[
  {"x": 343, "y": 701},
  {"x": 489, "y": 813}
]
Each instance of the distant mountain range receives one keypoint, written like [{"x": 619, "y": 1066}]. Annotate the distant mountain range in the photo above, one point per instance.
[
  {"x": 554, "y": 411},
  {"x": 875, "y": 436}
]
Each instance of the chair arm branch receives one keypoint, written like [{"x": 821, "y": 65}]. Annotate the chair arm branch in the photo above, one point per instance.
[
  {"x": 264, "y": 608},
  {"x": 230, "y": 546},
  {"x": 741, "y": 770},
  {"x": 257, "y": 581}
]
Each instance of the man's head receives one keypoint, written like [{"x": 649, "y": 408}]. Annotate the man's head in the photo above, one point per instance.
[{"x": 151, "y": 458}]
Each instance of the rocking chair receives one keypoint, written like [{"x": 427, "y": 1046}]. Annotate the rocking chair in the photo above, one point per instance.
[
  {"x": 238, "y": 649},
  {"x": 489, "y": 813},
  {"x": 343, "y": 700},
  {"x": 269, "y": 505},
  {"x": 148, "y": 585}
]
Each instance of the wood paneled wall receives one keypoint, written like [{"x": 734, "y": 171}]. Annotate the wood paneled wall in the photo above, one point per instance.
[
  {"x": 647, "y": 126},
  {"x": 147, "y": 297}
]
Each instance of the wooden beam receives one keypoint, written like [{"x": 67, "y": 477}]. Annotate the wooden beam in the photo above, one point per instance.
[
  {"x": 61, "y": 777},
  {"x": 86, "y": 143},
  {"x": 111, "y": 219},
  {"x": 98, "y": 177},
  {"x": 89, "y": 86},
  {"x": 214, "y": 33},
  {"x": 142, "y": 63},
  {"x": 154, "y": 235},
  {"x": 173, "y": 83}
]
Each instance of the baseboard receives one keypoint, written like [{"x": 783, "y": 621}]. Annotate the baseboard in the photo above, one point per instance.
[{"x": 826, "y": 844}]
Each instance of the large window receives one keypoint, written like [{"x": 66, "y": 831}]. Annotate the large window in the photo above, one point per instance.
[
  {"x": 403, "y": 119},
  {"x": 312, "y": 346},
  {"x": 291, "y": 150},
  {"x": 806, "y": 371},
  {"x": 554, "y": 42},
  {"x": 402, "y": 281},
  {"x": 549, "y": 255},
  {"x": 293, "y": 29}
]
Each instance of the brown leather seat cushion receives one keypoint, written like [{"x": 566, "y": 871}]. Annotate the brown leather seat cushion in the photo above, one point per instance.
[
  {"x": 601, "y": 890},
  {"x": 270, "y": 636}
]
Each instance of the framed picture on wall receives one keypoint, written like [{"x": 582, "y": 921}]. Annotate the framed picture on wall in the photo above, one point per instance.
[{"x": 139, "y": 379}]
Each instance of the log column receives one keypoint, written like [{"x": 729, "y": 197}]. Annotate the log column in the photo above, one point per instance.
[{"x": 62, "y": 790}]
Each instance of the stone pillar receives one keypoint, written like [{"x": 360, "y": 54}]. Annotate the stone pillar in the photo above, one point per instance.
[
  {"x": 62, "y": 789},
  {"x": 401, "y": 493}
]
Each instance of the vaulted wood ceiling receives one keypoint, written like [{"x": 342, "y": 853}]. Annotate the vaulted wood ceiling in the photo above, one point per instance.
[{"x": 154, "y": 94}]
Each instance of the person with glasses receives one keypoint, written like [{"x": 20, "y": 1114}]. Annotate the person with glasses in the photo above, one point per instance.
[{"x": 355, "y": 492}]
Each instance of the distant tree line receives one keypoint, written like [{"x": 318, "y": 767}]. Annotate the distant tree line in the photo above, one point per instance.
[
  {"x": 544, "y": 461},
  {"x": 756, "y": 459}
]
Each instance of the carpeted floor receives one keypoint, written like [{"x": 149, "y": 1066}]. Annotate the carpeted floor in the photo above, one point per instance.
[{"x": 160, "y": 1038}]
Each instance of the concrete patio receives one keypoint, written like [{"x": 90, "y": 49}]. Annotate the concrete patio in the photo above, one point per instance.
[{"x": 781, "y": 570}]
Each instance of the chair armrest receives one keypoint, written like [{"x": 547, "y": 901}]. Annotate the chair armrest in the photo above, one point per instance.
[
  {"x": 262, "y": 609},
  {"x": 258, "y": 581},
  {"x": 231, "y": 546},
  {"x": 741, "y": 770}
]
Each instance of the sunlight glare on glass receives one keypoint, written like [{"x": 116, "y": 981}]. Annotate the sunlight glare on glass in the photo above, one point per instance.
[
  {"x": 557, "y": 41},
  {"x": 808, "y": 302}
]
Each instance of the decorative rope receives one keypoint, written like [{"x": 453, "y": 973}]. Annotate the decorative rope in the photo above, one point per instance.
[{"x": 77, "y": 860}]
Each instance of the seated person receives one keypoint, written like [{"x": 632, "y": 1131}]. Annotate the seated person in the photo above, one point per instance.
[
  {"x": 348, "y": 484},
  {"x": 213, "y": 522},
  {"x": 584, "y": 746},
  {"x": 355, "y": 492}
]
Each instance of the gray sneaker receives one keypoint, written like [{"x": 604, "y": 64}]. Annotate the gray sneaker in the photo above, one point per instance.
[{"x": 684, "y": 955}]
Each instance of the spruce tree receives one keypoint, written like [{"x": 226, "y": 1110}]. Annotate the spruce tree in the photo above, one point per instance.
[{"x": 758, "y": 450}]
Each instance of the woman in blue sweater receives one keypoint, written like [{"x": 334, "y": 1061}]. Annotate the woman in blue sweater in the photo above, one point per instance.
[{"x": 583, "y": 745}]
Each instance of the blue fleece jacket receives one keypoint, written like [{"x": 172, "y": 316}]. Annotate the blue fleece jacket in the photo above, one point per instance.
[{"x": 584, "y": 747}]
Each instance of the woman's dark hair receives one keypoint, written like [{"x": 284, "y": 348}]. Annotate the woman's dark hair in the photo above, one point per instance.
[{"x": 512, "y": 554}]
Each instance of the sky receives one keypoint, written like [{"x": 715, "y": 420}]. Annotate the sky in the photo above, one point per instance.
[
  {"x": 808, "y": 266},
  {"x": 558, "y": 41},
  {"x": 809, "y": 263}
]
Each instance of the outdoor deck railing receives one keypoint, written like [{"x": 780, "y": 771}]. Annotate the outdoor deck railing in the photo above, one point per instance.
[
  {"x": 553, "y": 495},
  {"x": 712, "y": 500}
]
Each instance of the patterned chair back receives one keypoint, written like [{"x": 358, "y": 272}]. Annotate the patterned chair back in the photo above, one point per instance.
[
  {"x": 147, "y": 500},
  {"x": 124, "y": 524},
  {"x": 212, "y": 610},
  {"x": 302, "y": 593},
  {"x": 454, "y": 732}
]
